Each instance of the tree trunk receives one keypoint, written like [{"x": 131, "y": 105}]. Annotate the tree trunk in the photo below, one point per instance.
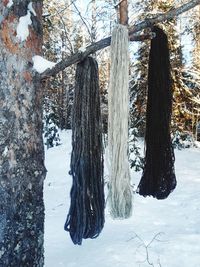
[
  {"x": 94, "y": 21},
  {"x": 123, "y": 11},
  {"x": 22, "y": 168},
  {"x": 196, "y": 51}
]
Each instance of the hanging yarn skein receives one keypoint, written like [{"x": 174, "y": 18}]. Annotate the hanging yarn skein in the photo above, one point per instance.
[
  {"x": 158, "y": 178},
  {"x": 86, "y": 214},
  {"x": 120, "y": 193}
]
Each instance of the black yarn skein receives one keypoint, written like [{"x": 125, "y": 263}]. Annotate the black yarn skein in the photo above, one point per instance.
[
  {"x": 158, "y": 178},
  {"x": 86, "y": 214}
]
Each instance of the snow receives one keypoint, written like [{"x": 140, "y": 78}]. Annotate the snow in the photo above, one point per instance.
[
  {"x": 41, "y": 64},
  {"x": 5, "y": 152},
  {"x": 31, "y": 9},
  {"x": 164, "y": 232},
  {"x": 10, "y": 3},
  {"x": 82, "y": 49},
  {"x": 22, "y": 27},
  {"x": 24, "y": 23}
]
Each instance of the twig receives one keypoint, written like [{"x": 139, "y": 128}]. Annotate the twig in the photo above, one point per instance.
[
  {"x": 146, "y": 247},
  {"x": 83, "y": 20}
]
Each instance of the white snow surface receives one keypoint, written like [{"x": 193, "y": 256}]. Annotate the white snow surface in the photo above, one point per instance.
[
  {"x": 22, "y": 27},
  {"x": 5, "y": 152},
  {"x": 24, "y": 22},
  {"x": 82, "y": 49},
  {"x": 41, "y": 64},
  {"x": 10, "y": 3},
  {"x": 31, "y": 9},
  {"x": 164, "y": 232}
]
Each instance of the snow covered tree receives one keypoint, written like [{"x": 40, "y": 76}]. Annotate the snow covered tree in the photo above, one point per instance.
[
  {"x": 180, "y": 121},
  {"x": 196, "y": 39},
  {"x": 139, "y": 71},
  {"x": 58, "y": 43},
  {"x": 186, "y": 77},
  {"x": 22, "y": 168}
]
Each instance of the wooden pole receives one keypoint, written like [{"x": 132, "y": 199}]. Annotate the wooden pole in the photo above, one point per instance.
[{"x": 123, "y": 11}]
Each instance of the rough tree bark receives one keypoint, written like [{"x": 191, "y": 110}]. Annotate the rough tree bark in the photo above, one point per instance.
[{"x": 22, "y": 168}]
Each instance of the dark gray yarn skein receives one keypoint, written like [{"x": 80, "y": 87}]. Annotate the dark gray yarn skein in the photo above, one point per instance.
[{"x": 86, "y": 214}]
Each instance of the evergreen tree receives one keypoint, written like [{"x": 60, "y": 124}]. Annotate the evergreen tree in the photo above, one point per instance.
[
  {"x": 139, "y": 71},
  {"x": 58, "y": 43},
  {"x": 186, "y": 76}
]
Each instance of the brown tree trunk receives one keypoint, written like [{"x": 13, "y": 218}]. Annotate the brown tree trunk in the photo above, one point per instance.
[
  {"x": 123, "y": 12},
  {"x": 22, "y": 168}
]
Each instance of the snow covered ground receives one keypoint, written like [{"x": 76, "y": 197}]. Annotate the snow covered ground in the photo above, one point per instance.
[{"x": 160, "y": 233}]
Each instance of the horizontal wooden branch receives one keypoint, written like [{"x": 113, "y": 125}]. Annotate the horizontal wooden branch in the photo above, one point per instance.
[
  {"x": 80, "y": 55},
  {"x": 94, "y": 47},
  {"x": 142, "y": 37},
  {"x": 164, "y": 17}
]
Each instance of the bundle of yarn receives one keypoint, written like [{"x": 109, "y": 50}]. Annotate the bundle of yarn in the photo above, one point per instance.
[
  {"x": 86, "y": 214},
  {"x": 120, "y": 192},
  {"x": 158, "y": 178}
]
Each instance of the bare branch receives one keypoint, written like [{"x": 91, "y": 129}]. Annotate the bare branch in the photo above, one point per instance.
[
  {"x": 83, "y": 20},
  {"x": 71, "y": 48},
  {"x": 142, "y": 37},
  {"x": 80, "y": 55},
  {"x": 163, "y": 17},
  {"x": 106, "y": 41}
]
